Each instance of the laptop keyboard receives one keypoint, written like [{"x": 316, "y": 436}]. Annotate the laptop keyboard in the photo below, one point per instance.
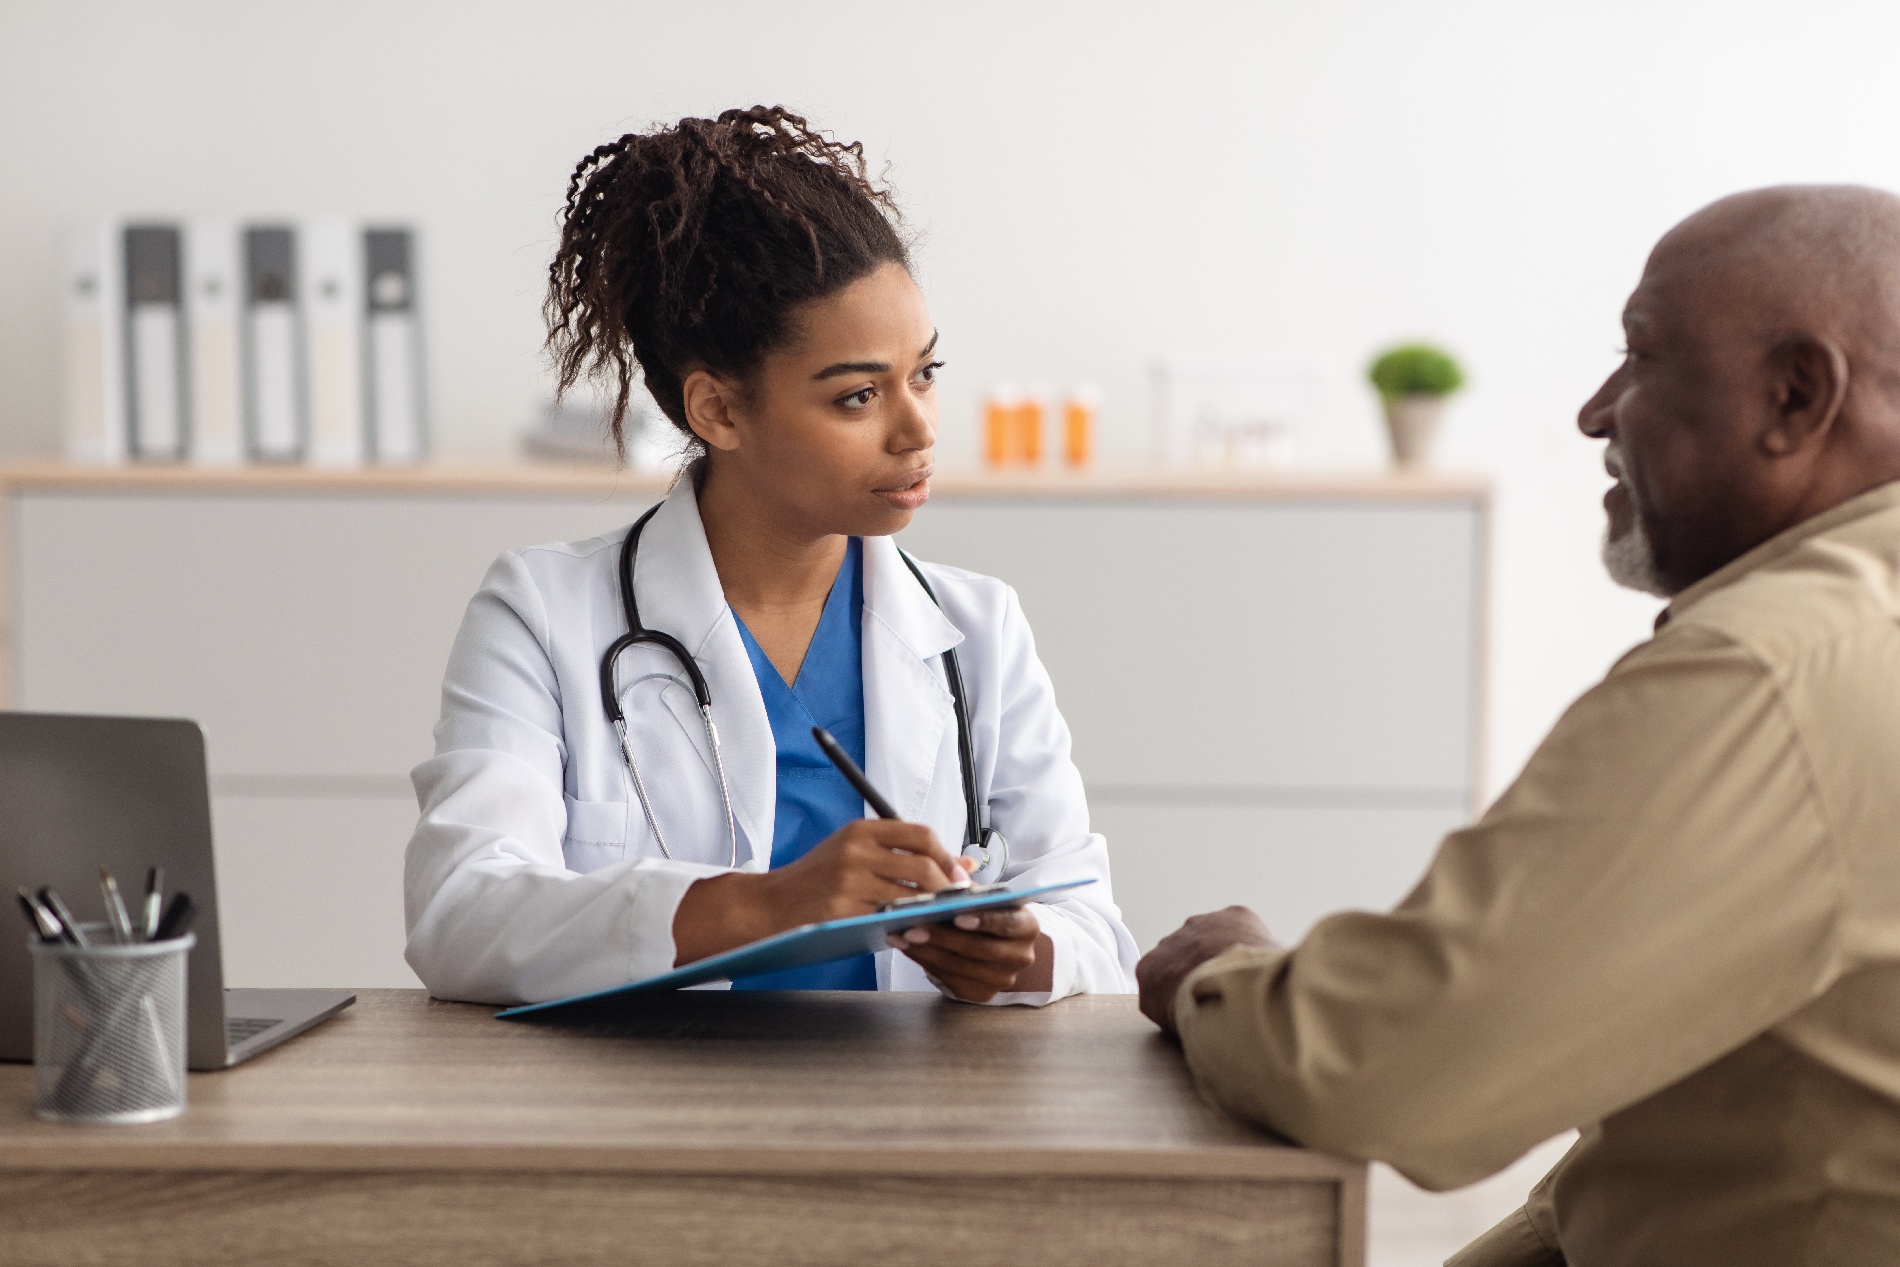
[{"x": 239, "y": 1028}]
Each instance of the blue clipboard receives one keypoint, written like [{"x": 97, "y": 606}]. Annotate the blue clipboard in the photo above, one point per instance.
[{"x": 809, "y": 944}]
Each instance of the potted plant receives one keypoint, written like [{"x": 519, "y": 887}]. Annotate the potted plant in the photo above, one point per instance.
[{"x": 1413, "y": 380}]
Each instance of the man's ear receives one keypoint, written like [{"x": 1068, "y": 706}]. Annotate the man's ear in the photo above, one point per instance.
[
  {"x": 711, "y": 404},
  {"x": 1809, "y": 386}
]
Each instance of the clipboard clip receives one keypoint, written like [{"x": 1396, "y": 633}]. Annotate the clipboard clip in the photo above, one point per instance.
[{"x": 953, "y": 891}]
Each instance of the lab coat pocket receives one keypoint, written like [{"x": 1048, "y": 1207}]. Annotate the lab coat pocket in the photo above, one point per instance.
[{"x": 596, "y": 834}]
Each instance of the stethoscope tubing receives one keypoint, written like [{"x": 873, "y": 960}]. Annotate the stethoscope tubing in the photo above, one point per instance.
[
  {"x": 638, "y": 634},
  {"x": 975, "y": 834}
]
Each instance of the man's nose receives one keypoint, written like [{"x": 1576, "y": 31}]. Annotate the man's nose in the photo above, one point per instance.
[{"x": 1597, "y": 417}]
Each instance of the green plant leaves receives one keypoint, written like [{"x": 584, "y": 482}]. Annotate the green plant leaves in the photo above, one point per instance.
[{"x": 1415, "y": 369}]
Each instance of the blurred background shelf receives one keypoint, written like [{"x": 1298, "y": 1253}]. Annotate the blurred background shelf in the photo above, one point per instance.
[{"x": 530, "y": 478}]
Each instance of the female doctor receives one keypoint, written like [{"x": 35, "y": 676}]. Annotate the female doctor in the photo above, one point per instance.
[{"x": 756, "y": 276}]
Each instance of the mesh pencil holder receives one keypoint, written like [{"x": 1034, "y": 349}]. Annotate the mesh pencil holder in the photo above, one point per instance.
[{"x": 109, "y": 1030}]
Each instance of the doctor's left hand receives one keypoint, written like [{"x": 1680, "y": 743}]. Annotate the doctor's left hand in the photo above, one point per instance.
[{"x": 981, "y": 954}]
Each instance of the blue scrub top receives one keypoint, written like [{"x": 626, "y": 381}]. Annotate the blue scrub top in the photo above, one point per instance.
[{"x": 813, "y": 798}]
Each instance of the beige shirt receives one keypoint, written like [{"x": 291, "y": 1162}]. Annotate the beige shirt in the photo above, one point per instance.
[{"x": 1679, "y": 930}]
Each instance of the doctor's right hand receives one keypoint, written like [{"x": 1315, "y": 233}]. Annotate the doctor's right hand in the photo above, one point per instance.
[{"x": 856, "y": 870}]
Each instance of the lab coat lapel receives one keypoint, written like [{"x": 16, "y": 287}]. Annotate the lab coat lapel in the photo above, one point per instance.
[
  {"x": 678, "y": 590},
  {"x": 907, "y": 709}
]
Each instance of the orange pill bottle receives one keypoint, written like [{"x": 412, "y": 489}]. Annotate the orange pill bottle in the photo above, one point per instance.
[
  {"x": 1000, "y": 425},
  {"x": 1080, "y": 409}
]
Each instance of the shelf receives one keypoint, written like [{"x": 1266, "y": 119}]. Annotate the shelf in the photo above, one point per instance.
[{"x": 556, "y": 480}]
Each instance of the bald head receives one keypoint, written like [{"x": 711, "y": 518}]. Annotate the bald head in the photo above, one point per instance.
[
  {"x": 1776, "y": 263},
  {"x": 1762, "y": 384}
]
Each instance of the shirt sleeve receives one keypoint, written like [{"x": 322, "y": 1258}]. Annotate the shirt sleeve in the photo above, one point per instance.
[
  {"x": 495, "y": 915},
  {"x": 1656, "y": 888},
  {"x": 1514, "y": 1242}
]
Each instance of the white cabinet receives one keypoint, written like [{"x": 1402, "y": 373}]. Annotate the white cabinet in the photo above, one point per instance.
[
  {"x": 1280, "y": 646},
  {"x": 306, "y": 633},
  {"x": 1274, "y": 695},
  {"x": 1274, "y": 687}
]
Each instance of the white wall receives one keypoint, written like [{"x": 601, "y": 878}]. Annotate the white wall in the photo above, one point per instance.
[{"x": 1095, "y": 183}]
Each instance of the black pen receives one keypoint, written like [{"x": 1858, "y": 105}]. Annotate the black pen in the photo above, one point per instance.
[
  {"x": 39, "y": 917},
  {"x": 52, "y": 933},
  {"x": 71, "y": 931},
  {"x": 856, "y": 778},
  {"x": 852, "y": 775},
  {"x": 154, "y": 899},
  {"x": 178, "y": 917}
]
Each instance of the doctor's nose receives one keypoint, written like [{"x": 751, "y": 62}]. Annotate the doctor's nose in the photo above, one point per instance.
[{"x": 913, "y": 425}]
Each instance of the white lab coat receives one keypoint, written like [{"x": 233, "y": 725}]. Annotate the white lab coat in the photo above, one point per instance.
[{"x": 533, "y": 874}]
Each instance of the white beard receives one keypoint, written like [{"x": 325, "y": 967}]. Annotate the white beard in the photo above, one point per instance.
[{"x": 1631, "y": 560}]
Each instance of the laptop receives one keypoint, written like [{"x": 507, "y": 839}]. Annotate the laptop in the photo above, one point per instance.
[{"x": 78, "y": 793}]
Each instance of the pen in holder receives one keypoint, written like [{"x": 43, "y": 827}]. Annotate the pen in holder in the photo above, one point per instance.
[{"x": 109, "y": 1029}]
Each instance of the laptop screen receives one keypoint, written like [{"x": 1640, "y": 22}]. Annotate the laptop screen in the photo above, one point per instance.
[{"x": 78, "y": 793}]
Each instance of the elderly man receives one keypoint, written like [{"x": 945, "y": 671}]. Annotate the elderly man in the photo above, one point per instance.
[{"x": 1679, "y": 929}]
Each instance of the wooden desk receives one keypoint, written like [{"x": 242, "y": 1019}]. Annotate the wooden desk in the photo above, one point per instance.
[{"x": 705, "y": 1128}]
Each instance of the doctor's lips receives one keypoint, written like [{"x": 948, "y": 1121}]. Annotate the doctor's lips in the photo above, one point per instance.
[{"x": 913, "y": 492}]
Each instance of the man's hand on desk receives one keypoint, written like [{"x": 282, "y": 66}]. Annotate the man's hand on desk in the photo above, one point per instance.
[
  {"x": 981, "y": 954},
  {"x": 1163, "y": 969}
]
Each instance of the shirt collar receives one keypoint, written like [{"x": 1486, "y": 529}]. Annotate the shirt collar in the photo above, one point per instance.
[
  {"x": 893, "y": 596},
  {"x": 679, "y": 589},
  {"x": 1779, "y": 546},
  {"x": 674, "y": 577}
]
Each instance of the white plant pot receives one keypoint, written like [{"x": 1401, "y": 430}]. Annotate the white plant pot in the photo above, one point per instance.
[{"x": 1412, "y": 422}]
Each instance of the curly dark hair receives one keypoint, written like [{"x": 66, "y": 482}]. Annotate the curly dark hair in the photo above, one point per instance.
[{"x": 691, "y": 246}]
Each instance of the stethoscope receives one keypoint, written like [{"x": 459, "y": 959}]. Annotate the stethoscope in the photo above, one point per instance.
[{"x": 976, "y": 837}]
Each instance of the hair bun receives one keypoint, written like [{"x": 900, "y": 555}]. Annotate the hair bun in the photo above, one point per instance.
[{"x": 691, "y": 245}]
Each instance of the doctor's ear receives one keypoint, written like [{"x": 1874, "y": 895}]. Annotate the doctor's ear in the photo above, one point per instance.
[{"x": 712, "y": 406}]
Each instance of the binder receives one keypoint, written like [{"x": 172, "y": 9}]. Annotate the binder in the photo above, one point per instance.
[
  {"x": 276, "y": 422},
  {"x": 393, "y": 397},
  {"x": 811, "y": 944},
  {"x": 331, "y": 283},
  {"x": 94, "y": 391},
  {"x": 213, "y": 285},
  {"x": 156, "y": 371}
]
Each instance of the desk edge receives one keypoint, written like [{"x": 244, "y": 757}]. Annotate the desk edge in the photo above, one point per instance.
[{"x": 1264, "y": 1162}]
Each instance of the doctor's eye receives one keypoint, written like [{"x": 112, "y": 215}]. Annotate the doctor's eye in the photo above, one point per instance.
[
  {"x": 860, "y": 399},
  {"x": 927, "y": 376}
]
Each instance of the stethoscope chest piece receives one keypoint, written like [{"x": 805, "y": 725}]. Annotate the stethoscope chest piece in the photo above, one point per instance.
[{"x": 992, "y": 855}]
